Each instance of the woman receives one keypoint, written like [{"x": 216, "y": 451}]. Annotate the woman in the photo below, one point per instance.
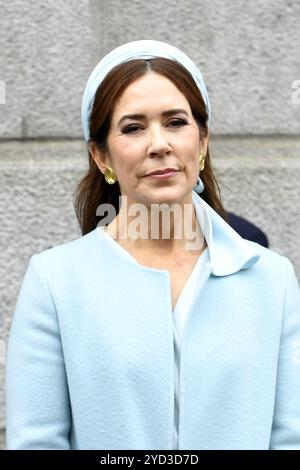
[{"x": 125, "y": 340}]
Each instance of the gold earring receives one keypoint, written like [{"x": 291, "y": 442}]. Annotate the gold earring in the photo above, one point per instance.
[
  {"x": 201, "y": 161},
  {"x": 109, "y": 175}
]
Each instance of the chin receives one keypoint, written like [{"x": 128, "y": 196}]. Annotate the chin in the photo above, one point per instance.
[{"x": 166, "y": 195}]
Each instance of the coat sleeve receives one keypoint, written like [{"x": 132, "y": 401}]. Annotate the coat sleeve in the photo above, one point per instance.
[
  {"x": 285, "y": 432},
  {"x": 37, "y": 400}
]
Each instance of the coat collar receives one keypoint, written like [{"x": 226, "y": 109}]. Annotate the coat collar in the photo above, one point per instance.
[{"x": 229, "y": 252}]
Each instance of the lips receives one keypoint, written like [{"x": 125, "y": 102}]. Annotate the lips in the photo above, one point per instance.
[{"x": 161, "y": 172}]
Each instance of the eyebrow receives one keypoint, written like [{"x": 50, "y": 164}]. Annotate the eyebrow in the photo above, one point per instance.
[{"x": 141, "y": 116}]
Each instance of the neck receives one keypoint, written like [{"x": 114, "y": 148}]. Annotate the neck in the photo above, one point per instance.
[{"x": 162, "y": 229}]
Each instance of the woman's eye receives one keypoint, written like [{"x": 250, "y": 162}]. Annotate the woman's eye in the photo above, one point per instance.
[
  {"x": 174, "y": 123},
  {"x": 128, "y": 129},
  {"x": 181, "y": 122}
]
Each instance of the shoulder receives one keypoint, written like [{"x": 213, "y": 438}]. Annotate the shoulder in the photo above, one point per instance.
[
  {"x": 69, "y": 256},
  {"x": 267, "y": 254},
  {"x": 273, "y": 263}
]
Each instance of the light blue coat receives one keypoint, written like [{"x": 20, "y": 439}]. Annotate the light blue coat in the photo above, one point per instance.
[{"x": 90, "y": 358}]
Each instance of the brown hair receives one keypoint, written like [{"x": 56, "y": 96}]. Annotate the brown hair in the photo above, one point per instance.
[{"x": 93, "y": 190}]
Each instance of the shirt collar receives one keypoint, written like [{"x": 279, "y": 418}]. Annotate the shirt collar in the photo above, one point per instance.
[{"x": 228, "y": 251}]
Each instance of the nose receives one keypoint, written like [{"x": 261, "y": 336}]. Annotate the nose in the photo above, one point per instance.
[{"x": 158, "y": 142}]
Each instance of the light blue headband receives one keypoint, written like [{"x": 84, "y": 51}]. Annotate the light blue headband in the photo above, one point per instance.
[{"x": 143, "y": 49}]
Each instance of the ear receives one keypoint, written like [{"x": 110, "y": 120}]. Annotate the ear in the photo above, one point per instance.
[
  {"x": 99, "y": 157},
  {"x": 204, "y": 138}
]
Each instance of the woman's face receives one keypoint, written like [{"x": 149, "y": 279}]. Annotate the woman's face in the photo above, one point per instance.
[{"x": 154, "y": 141}]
